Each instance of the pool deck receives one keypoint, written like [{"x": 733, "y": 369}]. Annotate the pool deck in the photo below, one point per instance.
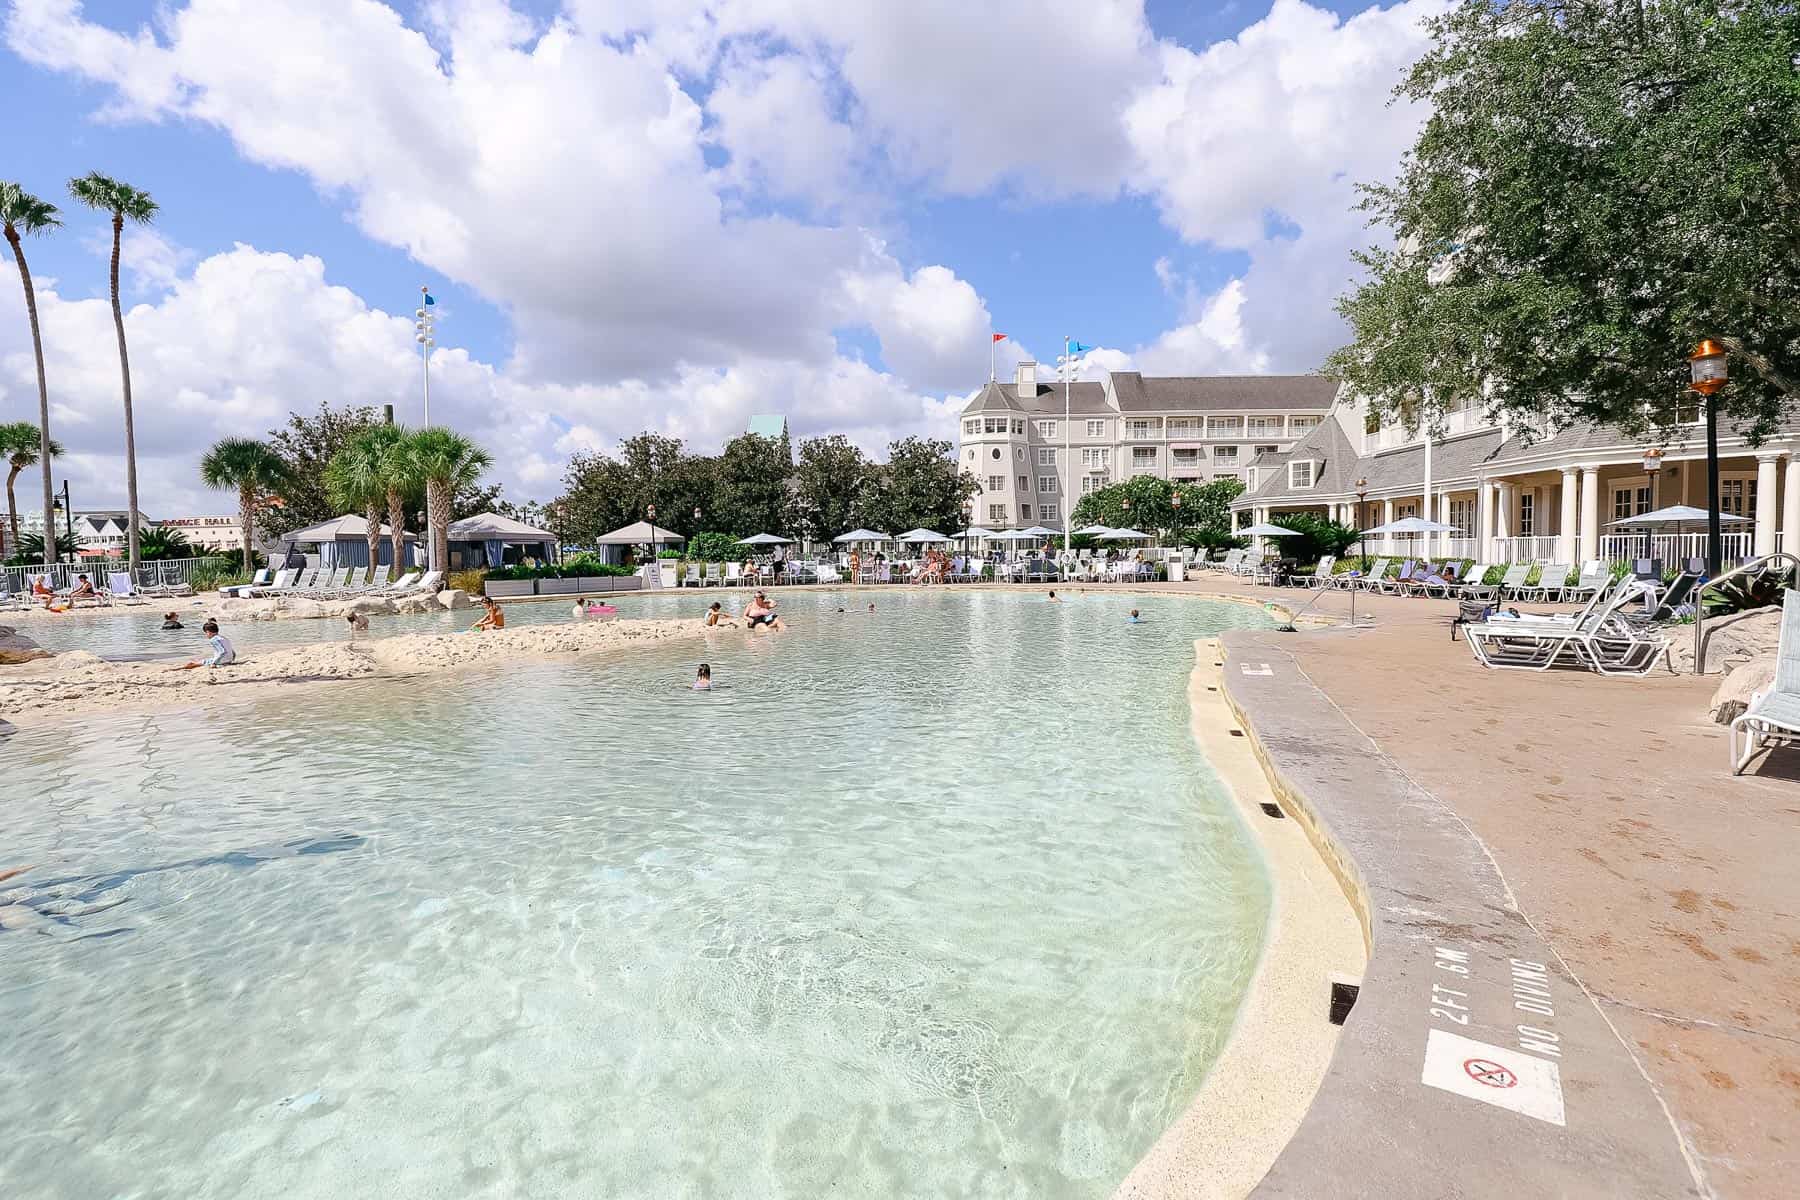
[{"x": 1527, "y": 842}]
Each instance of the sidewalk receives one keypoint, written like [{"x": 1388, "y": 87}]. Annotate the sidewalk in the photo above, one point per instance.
[{"x": 1666, "y": 885}]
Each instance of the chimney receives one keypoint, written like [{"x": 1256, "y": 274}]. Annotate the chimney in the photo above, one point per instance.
[{"x": 1027, "y": 379}]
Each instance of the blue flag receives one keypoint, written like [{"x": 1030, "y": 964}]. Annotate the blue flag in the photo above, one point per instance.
[
  {"x": 428, "y": 298},
  {"x": 1078, "y": 348}
]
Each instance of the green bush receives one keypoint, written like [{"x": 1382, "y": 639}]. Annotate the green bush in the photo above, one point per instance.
[
  {"x": 215, "y": 573},
  {"x": 668, "y": 554},
  {"x": 1317, "y": 537},
  {"x": 569, "y": 568},
  {"x": 466, "y": 581},
  {"x": 714, "y": 547}
]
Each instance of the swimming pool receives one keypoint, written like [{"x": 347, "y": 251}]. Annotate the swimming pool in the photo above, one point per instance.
[{"x": 938, "y": 901}]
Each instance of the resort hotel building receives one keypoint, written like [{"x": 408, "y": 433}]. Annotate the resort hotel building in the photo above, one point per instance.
[
  {"x": 1516, "y": 495},
  {"x": 1032, "y": 469}
]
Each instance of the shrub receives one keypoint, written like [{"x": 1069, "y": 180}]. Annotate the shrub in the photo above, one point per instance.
[
  {"x": 467, "y": 581},
  {"x": 214, "y": 573},
  {"x": 714, "y": 547},
  {"x": 668, "y": 554},
  {"x": 1317, "y": 537}
]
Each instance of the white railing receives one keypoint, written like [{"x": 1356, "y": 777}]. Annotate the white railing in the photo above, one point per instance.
[
  {"x": 1675, "y": 549},
  {"x": 1526, "y": 549},
  {"x": 1460, "y": 547},
  {"x": 151, "y": 573}
]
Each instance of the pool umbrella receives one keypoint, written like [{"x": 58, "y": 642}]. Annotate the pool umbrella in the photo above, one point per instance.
[
  {"x": 1040, "y": 531},
  {"x": 765, "y": 539},
  {"x": 861, "y": 535},
  {"x": 922, "y": 535},
  {"x": 1126, "y": 535},
  {"x": 1410, "y": 525},
  {"x": 1093, "y": 531},
  {"x": 1015, "y": 535},
  {"x": 1677, "y": 514},
  {"x": 974, "y": 531},
  {"x": 1264, "y": 529}
]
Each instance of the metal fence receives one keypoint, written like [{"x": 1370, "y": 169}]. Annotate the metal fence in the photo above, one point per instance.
[
  {"x": 168, "y": 571},
  {"x": 1674, "y": 549}
]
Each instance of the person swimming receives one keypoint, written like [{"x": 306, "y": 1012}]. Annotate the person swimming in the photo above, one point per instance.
[
  {"x": 760, "y": 612},
  {"x": 172, "y": 621},
  {"x": 703, "y": 678},
  {"x": 1134, "y": 619},
  {"x": 1053, "y": 598}
]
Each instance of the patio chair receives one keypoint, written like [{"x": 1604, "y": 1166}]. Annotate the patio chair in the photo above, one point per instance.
[
  {"x": 1594, "y": 577},
  {"x": 282, "y": 581},
  {"x": 1473, "y": 585},
  {"x": 1443, "y": 582},
  {"x": 1773, "y": 717},
  {"x": 1552, "y": 579},
  {"x": 263, "y": 577},
  {"x": 401, "y": 586},
  {"x": 1357, "y": 578}
]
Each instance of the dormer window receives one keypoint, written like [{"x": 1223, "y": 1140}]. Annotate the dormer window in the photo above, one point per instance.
[{"x": 1303, "y": 473}]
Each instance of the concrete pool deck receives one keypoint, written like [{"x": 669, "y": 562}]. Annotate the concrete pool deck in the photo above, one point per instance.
[{"x": 1585, "y": 825}]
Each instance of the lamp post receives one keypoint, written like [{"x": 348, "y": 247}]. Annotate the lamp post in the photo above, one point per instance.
[
  {"x": 68, "y": 512},
  {"x": 1362, "y": 490},
  {"x": 1175, "y": 503},
  {"x": 1653, "y": 468},
  {"x": 1708, "y": 374},
  {"x": 425, "y": 333}
]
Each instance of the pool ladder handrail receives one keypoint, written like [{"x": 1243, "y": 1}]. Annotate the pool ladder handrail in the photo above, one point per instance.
[{"x": 1755, "y": 564}]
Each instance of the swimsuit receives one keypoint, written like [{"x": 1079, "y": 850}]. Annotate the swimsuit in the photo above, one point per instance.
[{"x": 762, "y": 619}]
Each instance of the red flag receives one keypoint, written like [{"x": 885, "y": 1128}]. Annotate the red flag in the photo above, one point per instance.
[{"x": 999, "y": 337}]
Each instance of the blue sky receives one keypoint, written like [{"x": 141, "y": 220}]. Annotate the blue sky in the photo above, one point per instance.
[{"x": 673, "y": 220}]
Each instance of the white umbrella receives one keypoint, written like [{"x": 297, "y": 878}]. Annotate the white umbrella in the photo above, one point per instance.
[
  {"x": 1677, "y": 514},
  {"x": 1264, "y": 529},
  {"x": 765, "y": 539},
  {"x": 1092, "y": 531},
  {"x": 1125, "y": 535},
  {"x": 1040, "y": 531},
  {"x": 975, "y": 531},
  {"x": 1016, "y": 535},
  {"x": 861, "y": 535},
  {"x": 1411, "y": 525},
  {"x": 922, "y": 535}
]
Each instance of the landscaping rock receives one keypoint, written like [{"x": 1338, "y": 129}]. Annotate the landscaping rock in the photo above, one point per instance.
[
  {"x": 1731, "y": 640},
  {"x": 1733, "y": 694},
  {"x": 454, "y": 598},
  {"x": 15, "y": 647}
]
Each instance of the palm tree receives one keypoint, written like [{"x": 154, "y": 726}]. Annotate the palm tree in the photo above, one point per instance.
[
  {"x": 369, "y": 473},
  {"x": 122, "y": 201},
  {"x": 20, "y": 213},
  {"x": 161, "y": 542},
  {"x": 20, "y": 447},
  {"x": 253, "y": 469},
  {"x": 445, "y": 462}
]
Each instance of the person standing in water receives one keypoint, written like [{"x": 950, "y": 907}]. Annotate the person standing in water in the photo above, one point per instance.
[{"x": 703, "y": 678}]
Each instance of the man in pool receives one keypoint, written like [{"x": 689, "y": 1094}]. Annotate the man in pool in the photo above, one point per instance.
[
  {"x": 759, "y": 612},
  {"x": 1053, "y": 598},
  {"x": 716, "y": 615},
  {"x": 493, "y": 618},
  {"x": 223, "y": 653},
  {"x": 1134, "y": 619}
]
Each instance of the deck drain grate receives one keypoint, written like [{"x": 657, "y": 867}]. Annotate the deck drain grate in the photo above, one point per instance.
[
  {"x": 1237, "y": 733},
  {"x": 1343, "y": 999},
  {"x": 1271, "y": 809}
]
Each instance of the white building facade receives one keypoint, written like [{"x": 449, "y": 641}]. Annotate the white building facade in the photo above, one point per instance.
[
  {"x": 1523, "y": 495},
  {"x": 1034, "y": 460}
]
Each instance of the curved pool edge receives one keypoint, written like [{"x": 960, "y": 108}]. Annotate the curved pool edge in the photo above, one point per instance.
[
  {"x": 1280, "y": 1046},
  {"x": 1451, "y": 956}
]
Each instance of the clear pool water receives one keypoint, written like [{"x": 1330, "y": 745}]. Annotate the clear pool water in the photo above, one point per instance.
[{"x": 937, "y": 902}]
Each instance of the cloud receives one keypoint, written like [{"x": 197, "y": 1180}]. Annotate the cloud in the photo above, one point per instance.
[
  {"x": 1256, "y": 144},
  {"x": 248, "y": 336}
]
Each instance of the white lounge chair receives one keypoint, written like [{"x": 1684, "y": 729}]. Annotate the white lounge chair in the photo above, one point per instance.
[
  {"x": 1321, "y": 573},
  {"x": 121, "y": 589},
  {"x": 263, "y": 577},
  {"x": 1773, "y": 717},
  {"x": 1553, "y": 578},
  {"x": 1600, "y": 639},
  {"x": 1513, "y": 581}
]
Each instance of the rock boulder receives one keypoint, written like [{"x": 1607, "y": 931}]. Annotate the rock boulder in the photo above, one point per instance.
[{"x": 1734, "y": 692}]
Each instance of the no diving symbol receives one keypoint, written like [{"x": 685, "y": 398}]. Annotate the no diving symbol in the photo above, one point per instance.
[{"x": 1483, "y": 1070}]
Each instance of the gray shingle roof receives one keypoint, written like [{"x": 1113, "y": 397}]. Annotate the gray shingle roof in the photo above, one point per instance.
[
  {"x": 1046, "y": 399},
  {"x": 1340, "y": 467},
  {"x": 1226, "y": 393}
]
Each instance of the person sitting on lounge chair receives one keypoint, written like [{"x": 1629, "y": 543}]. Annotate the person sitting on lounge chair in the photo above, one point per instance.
[{"x": 83, "y": 589}]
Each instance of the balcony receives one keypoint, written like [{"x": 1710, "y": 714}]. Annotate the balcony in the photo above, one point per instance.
[{"x": 1153, "y": 433}]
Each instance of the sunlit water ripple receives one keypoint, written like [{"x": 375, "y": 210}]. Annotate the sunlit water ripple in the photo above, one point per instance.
[{"x": 941, "y": 901}]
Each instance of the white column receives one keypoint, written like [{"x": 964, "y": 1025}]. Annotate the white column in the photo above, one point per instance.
[
  {"x": 1590, "y": 513},
  {"x": 1765, "y": 503},
  {"x": 1484, "y": 519},
  {"x": 1443, "y": 516},
  {"x": 1387, "y": 515},
  {"x": 1503, "y": 519},
  {"x": 1790, "y": 504},
  {"x": 1568, "y": 549}
]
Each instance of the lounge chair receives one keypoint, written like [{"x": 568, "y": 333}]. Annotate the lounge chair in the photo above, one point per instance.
[
  {"x": 1773, "y": 717},
  {"x": 1392, "y": 587},
  {"x": 282, "y": 583},
  {"x": 1599, "y": 640},
  {"x": 120, "y": 588},
  {"x": 405, "y": 585},
  {"x": 1320, "y": 575},
  {"x": 1553, "y": 578},
  {"x": 1444, "y": 581},
  {"x": 263, "y": 577},
  {"x": 1511, "y": 582},
  {"x": 1473, "y": 585},
  {"x": 1594, "y": 578},
  {"x": 1359, "y": 578}
]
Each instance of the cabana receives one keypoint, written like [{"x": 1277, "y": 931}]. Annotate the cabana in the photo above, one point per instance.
[
  {"x": 639, "y": 533},
  {"x": 344, "y": 542},
  {"x": 491, "y": 540}
]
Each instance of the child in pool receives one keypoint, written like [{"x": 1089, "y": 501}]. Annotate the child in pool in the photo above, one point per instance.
[{"x": 703, "y": 678}]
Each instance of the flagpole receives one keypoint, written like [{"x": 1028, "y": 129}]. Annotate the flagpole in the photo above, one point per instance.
[
  {"x": 1068, "y": 508},
  {"x": 426, "y": 336},
  {"x": 991, "y": 344}
]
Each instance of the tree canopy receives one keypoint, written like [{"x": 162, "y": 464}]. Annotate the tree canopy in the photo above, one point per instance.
[
  {"x": 1146, "y": 503},
  {"x": 1601, "y": 184}
]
